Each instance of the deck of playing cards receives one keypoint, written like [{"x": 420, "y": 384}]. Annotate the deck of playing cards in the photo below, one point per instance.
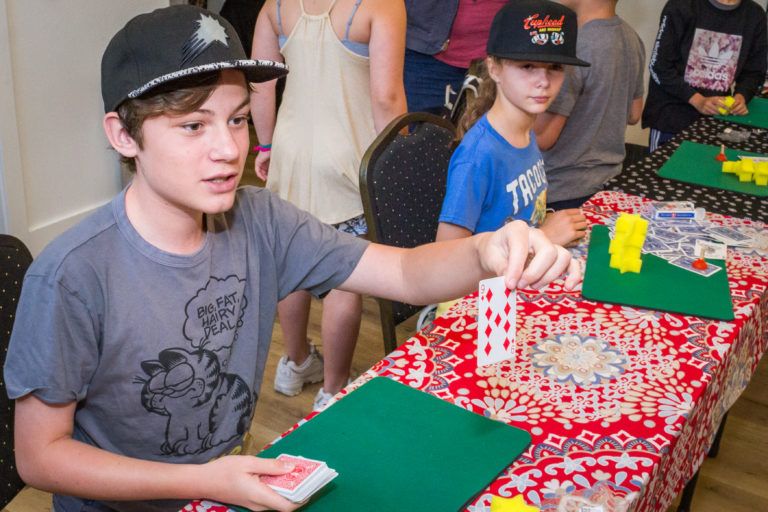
[{"x": 308, "y": 477}]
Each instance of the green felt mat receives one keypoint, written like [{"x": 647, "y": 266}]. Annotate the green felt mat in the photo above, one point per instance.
[
  {"x": 757, "y": 117},
  {"x": 659, "y": 285},
  {"x": 400, "y": 449},
  {"x": 695, "y": 163}
]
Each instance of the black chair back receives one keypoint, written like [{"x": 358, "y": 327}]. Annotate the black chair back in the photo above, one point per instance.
[
  {"x": 402, "y": 184},
  {"x": 14, "y": 261}
]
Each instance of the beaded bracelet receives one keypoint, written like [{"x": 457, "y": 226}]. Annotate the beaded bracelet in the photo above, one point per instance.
[{"x": 265, "y": 147}]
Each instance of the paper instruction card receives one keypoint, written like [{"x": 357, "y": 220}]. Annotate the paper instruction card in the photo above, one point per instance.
[{"x": 496, "y": 322}]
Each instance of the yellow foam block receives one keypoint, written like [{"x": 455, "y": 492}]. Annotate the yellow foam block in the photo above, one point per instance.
[
  {"x": 516, "y": 504},
  {"x": 730, "y": 166},
  {"x": 745, "y": 176},
  {"x": 729, "y": 101},
  {"x": 627, "y": 243}
]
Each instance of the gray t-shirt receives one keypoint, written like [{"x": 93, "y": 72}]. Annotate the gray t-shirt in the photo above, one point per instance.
[
  {"x": 165, "y": 353},
  {"x": 597, "y": 101}
]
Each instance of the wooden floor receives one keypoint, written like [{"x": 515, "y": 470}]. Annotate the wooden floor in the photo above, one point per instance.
[{"x": 735, "y": 481}]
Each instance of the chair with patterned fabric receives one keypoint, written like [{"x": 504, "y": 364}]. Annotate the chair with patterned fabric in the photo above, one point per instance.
[
  {"x": 14, "y": 261},
  {"x": 402, "y": 184}
]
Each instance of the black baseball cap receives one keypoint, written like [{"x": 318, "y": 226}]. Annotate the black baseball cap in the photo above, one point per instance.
[
  {"x": 536, "y": 31},
  {"x": 171, "y": 43}
]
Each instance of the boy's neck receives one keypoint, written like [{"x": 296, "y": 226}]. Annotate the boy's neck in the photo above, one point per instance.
[
  {"x": 167, "y": 228},
  {"x": 590, "y": 10}
]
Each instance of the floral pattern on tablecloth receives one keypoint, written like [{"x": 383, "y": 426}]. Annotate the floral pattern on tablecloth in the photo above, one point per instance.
[{"x": 622, "y": 403}]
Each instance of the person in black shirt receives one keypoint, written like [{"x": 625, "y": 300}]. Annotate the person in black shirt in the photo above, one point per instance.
[{"x": 705, "y": 50}]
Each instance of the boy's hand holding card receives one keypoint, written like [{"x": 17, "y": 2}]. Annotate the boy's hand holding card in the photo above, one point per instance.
[{"x": 496, "y": 322}]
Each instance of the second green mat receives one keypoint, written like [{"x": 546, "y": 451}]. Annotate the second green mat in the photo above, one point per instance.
[
  {"x": 757, "y": 117},
  {"x": 398, "y": 448},
  {"x": 659, "y": 285},
  {"x": 695, "y": 163}
]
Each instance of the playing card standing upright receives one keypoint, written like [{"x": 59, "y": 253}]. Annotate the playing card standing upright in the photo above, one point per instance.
[{"x": 496, "y": 322}]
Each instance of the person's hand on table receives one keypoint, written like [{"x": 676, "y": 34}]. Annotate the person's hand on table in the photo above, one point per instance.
[
  {"x": 739, "y": 107},
  {"x": 235, "y": 479},
  {"x": 261, "y": 165},
  {"x": 527, "y": 257},
  {"x": 565, "y": 227},
  {"x": 709, "y": 105}
]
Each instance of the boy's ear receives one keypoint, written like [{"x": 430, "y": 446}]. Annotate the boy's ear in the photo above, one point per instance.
[{"x": 118, "y": 137}]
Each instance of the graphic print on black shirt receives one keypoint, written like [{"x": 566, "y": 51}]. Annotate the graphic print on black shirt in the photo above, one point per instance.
[
  {"x": 205, "y": 405},
  {"x": 712, "y": 60}
]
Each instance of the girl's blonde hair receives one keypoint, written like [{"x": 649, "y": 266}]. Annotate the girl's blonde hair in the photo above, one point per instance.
[{"x": 482, "y": 103}]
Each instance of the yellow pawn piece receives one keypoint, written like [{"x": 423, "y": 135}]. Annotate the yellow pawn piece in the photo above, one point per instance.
[
  {"x": 516, "y": 504},
  {"x": 627, "y": 243}
]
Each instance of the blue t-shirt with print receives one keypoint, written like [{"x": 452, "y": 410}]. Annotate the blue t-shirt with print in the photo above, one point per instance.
[{"x": 490, "y": 181}]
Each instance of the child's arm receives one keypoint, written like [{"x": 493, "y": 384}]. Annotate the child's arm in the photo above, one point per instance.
[
  {"x": 548, "y": 126},
  {"x": 448, "y": 231},
  {"x": 446, "y": 270},
  {"x": 565, "y": 227},
  {"x": 387, "y": 51},
  {"x": 263, "y": 97},
  {"x": 49, "y": 459}
]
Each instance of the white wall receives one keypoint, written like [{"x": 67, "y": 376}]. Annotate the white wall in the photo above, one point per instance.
[
  {"x": 643, "y": 16},
  {"x": 55, "y": 159}
]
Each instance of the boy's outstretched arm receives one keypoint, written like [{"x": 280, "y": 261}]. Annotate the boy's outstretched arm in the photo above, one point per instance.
[
  {"x": 49, "y": 459},
  {"x": 446, "y": 270}
]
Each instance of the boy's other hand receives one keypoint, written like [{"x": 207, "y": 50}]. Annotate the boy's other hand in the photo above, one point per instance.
[
  {"x": 739, "y": 107},
  {"x": 526, "y": 257},
  {"x": 261, "y": 166},
  {"x": 235, "y": 479},
  {"x": 565, "y": 227}
]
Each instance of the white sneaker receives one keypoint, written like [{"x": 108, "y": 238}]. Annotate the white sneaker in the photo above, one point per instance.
[
  {"x": 322, "y": 398},
  {"x": 290, "y": 377}
]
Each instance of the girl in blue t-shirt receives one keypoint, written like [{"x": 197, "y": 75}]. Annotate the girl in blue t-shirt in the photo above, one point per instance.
[{"x": 497, "y": 172}]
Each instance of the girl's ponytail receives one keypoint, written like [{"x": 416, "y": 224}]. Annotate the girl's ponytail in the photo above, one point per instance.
[{"x": 480, "y": 104}]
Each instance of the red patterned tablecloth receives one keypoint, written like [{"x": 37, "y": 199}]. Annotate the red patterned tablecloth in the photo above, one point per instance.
[{"x": 622, "y": 403}]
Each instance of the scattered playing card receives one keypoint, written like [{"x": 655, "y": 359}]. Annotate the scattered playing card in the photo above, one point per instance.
[
  {"x": 308, "y": 476},
  {"x": 686, "y": 262},
  {"x": 712, "y": 250},
  {"x": 729, "y": 235},
  {"x": 496, "y": 323},
  {"x": 653, "y": 244}
]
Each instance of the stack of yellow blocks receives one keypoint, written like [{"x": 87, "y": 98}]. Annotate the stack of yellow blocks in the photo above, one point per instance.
[
  {"x": 748, "y": 170},
  {"x": 627, "y": 243}
]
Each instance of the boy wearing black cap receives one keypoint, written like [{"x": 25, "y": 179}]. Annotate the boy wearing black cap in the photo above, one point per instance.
[
  {"x": 582, "y": 134},
  {"x": 142, "y": 333},
  {"x": 497, "y": 172}
]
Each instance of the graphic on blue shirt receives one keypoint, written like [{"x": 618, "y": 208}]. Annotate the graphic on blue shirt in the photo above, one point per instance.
[{"x": 190, "y": 385}]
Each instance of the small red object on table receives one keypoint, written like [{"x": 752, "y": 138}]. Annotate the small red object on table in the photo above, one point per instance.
[{"x": 721, "y": 157}]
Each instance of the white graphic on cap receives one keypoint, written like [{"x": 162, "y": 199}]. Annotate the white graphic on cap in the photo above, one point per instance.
[
  {"x": 208, "y": 31},
  {"x": 557, "y": 38},
  {"x": 539, "y": 39}
]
